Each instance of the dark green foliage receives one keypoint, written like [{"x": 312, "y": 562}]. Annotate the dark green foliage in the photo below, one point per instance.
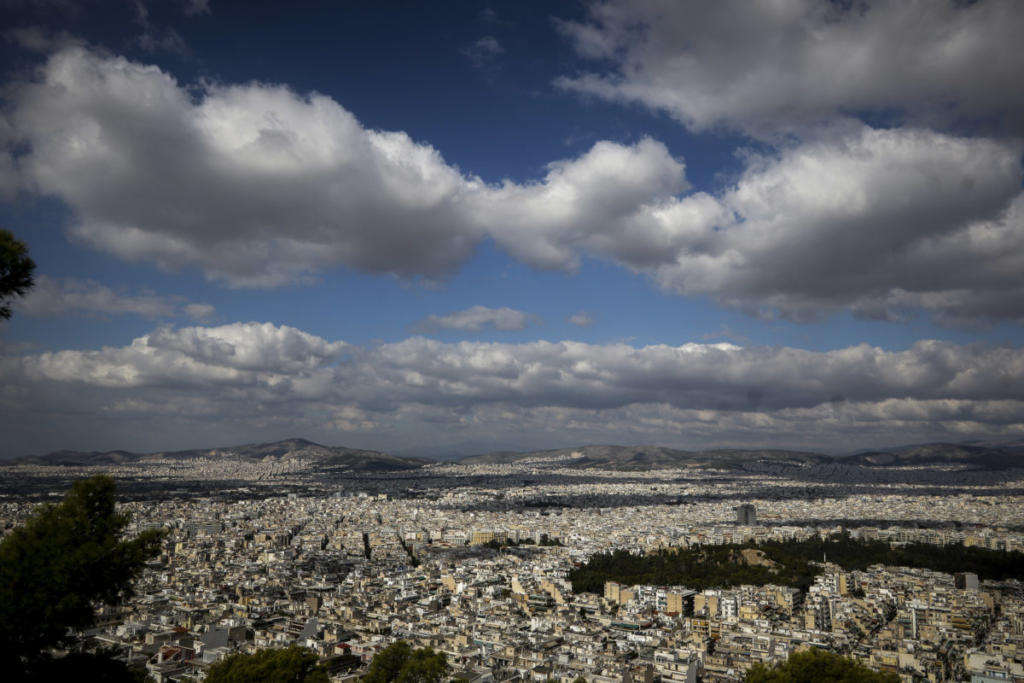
[
  {"x": 545, "y": 541},
  {"x": 423, "y": 666},
  {"x": 15, "y": 271},
  {"x": 63, "y": 560},
  {"x": 388, "y": 663},
  {"x": 552, "y": 542},
  {"x": 399, "y": 663},
  {"x": 81, "y": 666},
  {"x": 269, "y": 666},
  {"x": 720, "y": 565},
  {"x": 817, "y": 666},
  {"x": 341, "y": 664},
  {"x": 699, "y": 568}
]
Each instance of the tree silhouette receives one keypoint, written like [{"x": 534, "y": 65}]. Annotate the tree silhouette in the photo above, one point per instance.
[
  {"x": 15, "y": 271},
  {"x": 54, "y": 569}
]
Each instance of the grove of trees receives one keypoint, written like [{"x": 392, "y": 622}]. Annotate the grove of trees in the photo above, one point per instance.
[
  {"x": 399, "y": 663},
  {"x": 712, "y": 566},
  {"x": 817, "y": 666},
  {"x": 286, "y": 665}
]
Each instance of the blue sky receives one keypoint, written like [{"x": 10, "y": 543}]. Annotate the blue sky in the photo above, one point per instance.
[{"x": 446, "y": 228}]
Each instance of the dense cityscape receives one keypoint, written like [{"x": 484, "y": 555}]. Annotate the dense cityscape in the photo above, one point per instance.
[{"x": 475, "y": 561}]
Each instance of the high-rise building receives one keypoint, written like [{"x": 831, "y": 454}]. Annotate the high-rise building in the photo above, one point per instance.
[
  {"x": 746, "y": 514},
  {"x": 966, "y": 581}
]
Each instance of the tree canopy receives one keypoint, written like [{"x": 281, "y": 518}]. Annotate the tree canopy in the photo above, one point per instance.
[
  {"x": 817, "y": 666},
  {"x": 291, "y": 664},
  {"x": 15, "y": 271},
  {"x": 399, "y": 663},
  {"x": 792, "y": 563},
  {"x": 66, "y": 558}
]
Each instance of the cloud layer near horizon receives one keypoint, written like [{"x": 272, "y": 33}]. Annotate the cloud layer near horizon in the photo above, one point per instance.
[
  {"x": 249, "y": 374},
  {"x": 259, "y": 186},
  {"x": 69, "y": 296}
]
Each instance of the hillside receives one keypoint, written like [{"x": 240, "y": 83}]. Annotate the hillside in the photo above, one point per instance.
[
  {"x": 973, "y": 457},
  {"x": 328, "y": 456},
  {"x": 965, "y": 457}
]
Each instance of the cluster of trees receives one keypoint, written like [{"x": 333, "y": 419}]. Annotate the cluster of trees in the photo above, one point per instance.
[
  {"x": 545, "y": 541},
  {"x": 817, "y": 666},
  {"x": 56, "y": 567},
  {"x": 699, "y": 568},
  {"x": 794, "y": 563},
  {"x": 294, "y": 663},
  {"x": 851, "y": 554},
  {"x": 397, "y": 663}
]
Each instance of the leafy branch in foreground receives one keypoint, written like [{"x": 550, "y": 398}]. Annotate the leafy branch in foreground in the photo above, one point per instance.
[{"x": 15, "y": 271}]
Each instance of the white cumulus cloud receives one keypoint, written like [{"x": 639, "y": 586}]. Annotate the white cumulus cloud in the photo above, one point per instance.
[
  {"x": 258, "y": 186},
  {"x": 253, "y": 184},
  {"x": 877, "y": 221},
  {"x": 768, "y": 67}
]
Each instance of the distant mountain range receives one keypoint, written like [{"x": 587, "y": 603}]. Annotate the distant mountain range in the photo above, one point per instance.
[
  {"x": 985, "y": 456},
  {"x": 335, "y": 456},
  {"x": 974, "y": 456}
]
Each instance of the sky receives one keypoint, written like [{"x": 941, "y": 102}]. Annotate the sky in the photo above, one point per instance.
[{"x": 441, "y": 229}]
